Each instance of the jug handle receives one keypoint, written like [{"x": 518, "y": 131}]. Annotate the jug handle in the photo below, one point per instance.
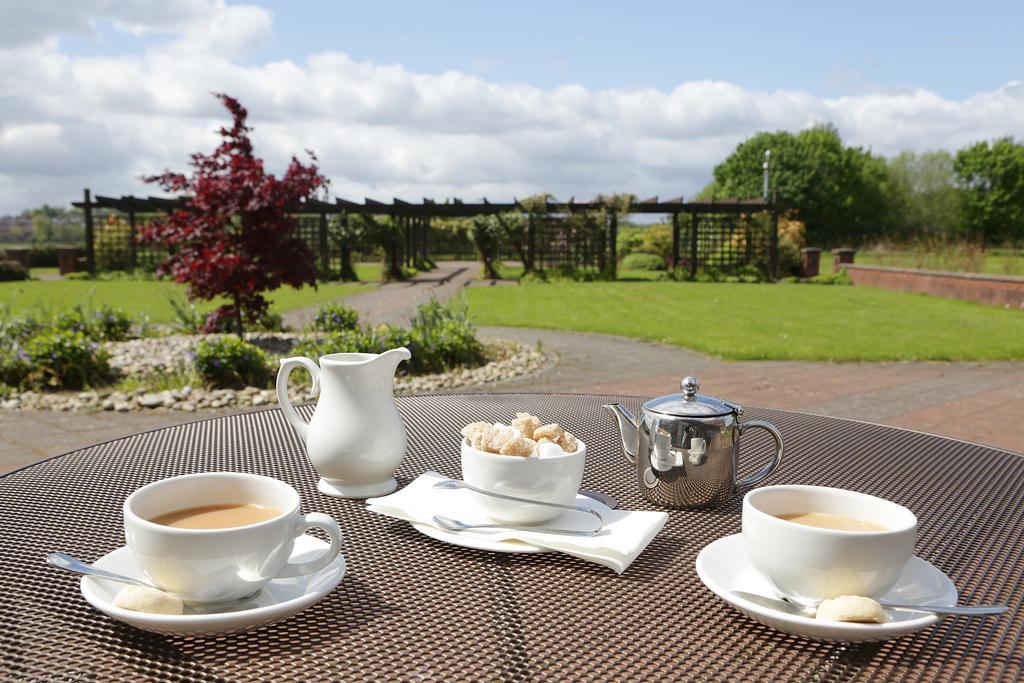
[
  {"x": 776, "y": 459},
  {"x": 287, "y": 365}
]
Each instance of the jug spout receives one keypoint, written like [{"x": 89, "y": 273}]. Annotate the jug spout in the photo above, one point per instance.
[
  {"x": 627, "y": 429},
  {"x": 393, "y": 357}
]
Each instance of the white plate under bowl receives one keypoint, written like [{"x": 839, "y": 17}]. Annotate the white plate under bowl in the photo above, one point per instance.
[
  {"x": 723, "y": 566},
  {"x": 279, "y": 599},
  {"x": 465, "y": 505},
  {"x": 468, "y": 539}
]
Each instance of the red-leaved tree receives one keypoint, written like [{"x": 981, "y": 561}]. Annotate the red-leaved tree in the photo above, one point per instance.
[{"x": 235, "y": 237}]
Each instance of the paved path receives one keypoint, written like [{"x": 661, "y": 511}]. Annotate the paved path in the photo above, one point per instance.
[{"x": 395, "y": 302}]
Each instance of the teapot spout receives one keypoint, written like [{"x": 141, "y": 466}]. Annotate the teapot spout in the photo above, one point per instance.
[{"x": 627, "y": 430}]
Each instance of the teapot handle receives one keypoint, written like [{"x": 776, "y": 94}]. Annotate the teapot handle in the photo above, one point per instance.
[
  {"x": 776, "y": 459},
  {"x": 287, "y": 365}
]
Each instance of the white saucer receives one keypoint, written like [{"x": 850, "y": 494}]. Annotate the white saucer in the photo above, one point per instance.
[
  {"x": 279, "y": 599},
  {"x": 723, "y": 566}
]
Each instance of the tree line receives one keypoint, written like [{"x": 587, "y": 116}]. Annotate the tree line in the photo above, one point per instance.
[{"x": 846, "y": 195}]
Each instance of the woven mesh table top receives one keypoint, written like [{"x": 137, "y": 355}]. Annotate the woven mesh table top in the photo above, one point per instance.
[{"x": 411, "y": 608}]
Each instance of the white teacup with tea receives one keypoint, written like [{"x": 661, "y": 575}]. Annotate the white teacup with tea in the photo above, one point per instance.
[
  {"x": 816, "y": 543},
  {"x": 220, "y": 536}
]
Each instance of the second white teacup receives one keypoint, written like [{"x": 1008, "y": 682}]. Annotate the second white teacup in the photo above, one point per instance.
[
  {"x": 809, "y": 563},
  {"x": 554, "y": 479},
  {"x": 221, "y": 564}
]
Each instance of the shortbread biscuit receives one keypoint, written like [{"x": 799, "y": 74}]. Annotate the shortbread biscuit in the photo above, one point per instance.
[
  {"x": 551, "y": 431},
  {"x": 851, "y": 608},
  {"x": 526, "y": 424},
  {"x": 145, "y": 599}
]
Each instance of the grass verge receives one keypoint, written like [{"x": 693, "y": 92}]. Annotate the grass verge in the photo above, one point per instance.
[
  {"x": 147, "y": 296},
  {"x": 764, "y": 321}
]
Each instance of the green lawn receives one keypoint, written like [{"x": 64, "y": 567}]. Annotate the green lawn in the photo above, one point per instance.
[
  {"x": 764, "y": 321},
  {"x": 992, "y": 262},
  {"x": 146, "y": 296}
]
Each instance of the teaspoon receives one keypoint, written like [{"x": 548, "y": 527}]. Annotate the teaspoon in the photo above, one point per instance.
[
  {"x": 799, "y": 610},
  {"x": 455, "y": 525},
  {"x": 73, "y": 564}
]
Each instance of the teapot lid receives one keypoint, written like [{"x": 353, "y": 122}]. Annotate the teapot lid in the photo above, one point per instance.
[{"x": 689, "y": 403}]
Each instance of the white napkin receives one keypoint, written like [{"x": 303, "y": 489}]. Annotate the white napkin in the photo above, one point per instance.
[{"x": 623, "y": 537}]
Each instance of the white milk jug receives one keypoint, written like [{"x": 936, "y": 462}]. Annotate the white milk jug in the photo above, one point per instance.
[{"x": 355, "y": 439}]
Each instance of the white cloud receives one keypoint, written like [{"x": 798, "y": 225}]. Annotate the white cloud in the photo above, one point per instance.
[{"x": 386, "y": 131}]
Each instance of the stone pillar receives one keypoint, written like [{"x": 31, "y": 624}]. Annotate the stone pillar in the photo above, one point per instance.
[
  {"x": 810, "y": 262},
  {"x": 841, "y": 257}
]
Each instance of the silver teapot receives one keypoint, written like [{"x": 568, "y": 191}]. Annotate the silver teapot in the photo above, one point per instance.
[{"x": 686, "y": 447}]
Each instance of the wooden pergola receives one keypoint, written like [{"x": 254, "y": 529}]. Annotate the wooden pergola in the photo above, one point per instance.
[{"x": 414, "y": 217}]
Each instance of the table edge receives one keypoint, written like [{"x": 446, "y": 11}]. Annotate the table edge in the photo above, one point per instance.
[{"x": 507, "y": 393}]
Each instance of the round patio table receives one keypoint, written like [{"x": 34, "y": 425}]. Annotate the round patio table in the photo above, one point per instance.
[{"x": 412, "y": 608}]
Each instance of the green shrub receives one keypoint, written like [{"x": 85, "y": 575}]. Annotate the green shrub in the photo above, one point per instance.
[
  {"x": 11, "y": 271},
  {"x": 110, "y": 324},
  {"x": 269, "y": 322},
  {"x": 643, "y": 262},
  {"x": 747, "y": 274},
  {"x": 43, "y": 256},
  {"x": 840, "y": 278},
  {"x": 103, "y": 324},
  {"x": 441, "y": 338},
  {"x": 347, "y": 341},
  {"x": 62, "y": 360},
  {"x": 231, "y": 363},
  {"x": 14, "y": 366},
  {"x": 187, "y": 318},
  {"x": 334, "y": 317},
  {"x": 16, "y": 330}
]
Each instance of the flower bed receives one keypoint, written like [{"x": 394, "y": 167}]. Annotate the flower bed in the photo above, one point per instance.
[
  {"x": 188, "y": 372},
  {"x": 507, "y": 360}
]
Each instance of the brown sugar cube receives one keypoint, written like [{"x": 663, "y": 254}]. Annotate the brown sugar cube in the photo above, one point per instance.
[
  {"x": 518, "y": 445},
  {"x": 476, "y": 440},
  {"x": 526, "y": 424},
  {"x": 551, "y": 431},
  {"x": 494, "y": 437},
  {"x": 568, "y": 442},
  {"x": 470, "y": 429}
]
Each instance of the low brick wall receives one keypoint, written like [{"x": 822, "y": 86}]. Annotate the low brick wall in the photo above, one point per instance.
[{"x": 997, "y": 290}]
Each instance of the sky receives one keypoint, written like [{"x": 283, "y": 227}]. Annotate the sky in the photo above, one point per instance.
[{"x": 487, "y": 99}]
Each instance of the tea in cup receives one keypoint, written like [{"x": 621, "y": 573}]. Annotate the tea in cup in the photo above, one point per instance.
[
  {"x": 814, "y": 542},
  {"x": 220, "y": 536}
]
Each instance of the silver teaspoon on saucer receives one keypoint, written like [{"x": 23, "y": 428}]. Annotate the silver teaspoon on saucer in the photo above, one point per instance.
[
  {"x": 800, "y": 610},
  {"x": 73, "y": 564}
]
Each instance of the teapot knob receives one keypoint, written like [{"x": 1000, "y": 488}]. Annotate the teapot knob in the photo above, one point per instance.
[{"x": 690, "y": 385}]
